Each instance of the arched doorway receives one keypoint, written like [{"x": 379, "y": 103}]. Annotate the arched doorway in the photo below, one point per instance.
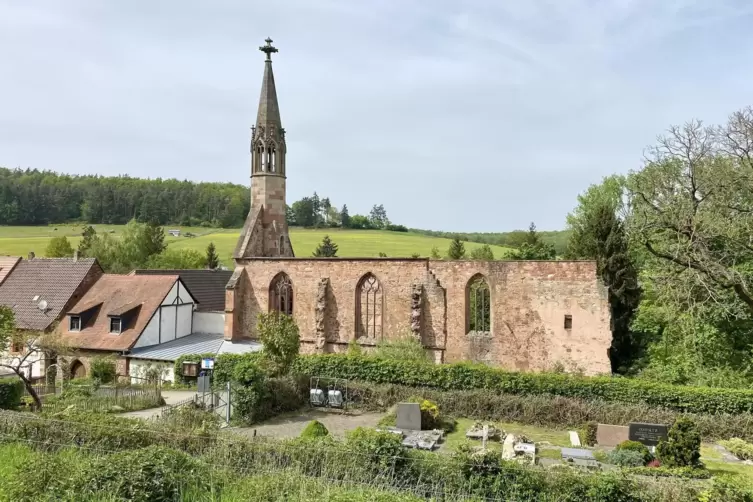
[{"x": 78, "y": 370}]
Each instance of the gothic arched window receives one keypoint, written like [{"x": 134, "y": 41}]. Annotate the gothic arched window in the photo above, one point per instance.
[
  {"x": 272, "y": 159},
  {"x": 261, "y": 165},
  {"x": 369, "y": 308},
  {"x": 281, "y": 294},
  {"x": 478, "y": 307}
]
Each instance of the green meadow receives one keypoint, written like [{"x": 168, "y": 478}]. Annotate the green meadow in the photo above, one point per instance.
[{"x": 19, "y": 241}]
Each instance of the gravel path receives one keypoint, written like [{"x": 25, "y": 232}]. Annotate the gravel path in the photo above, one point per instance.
[{"x": 291, "y": 425}]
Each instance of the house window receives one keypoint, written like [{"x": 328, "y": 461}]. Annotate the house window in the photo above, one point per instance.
[
  {"x": 17, "y": 347},
  {"x": 190, "y": 369},
  {"x": 281, "y": 294},
  {"x": 115, "y": 324},
  {"x": 75, "y": 323},
  {"x": 369, "y": 308},
  {"x": 568, "y": 322},
  {"x": 479, "y": 305}
]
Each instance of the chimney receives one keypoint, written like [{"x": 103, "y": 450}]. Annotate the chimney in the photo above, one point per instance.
[
  {"x": 31, "y": 255},
  {"x": 75, "y": 256}
]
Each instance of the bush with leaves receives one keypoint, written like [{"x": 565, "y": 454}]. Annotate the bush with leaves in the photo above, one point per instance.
[
  {"x": 588, "y": 433},
  {"x": 403, "y": 348},
  {"x": 59, "y": 247},
  {"x": 381, "y": 450},
  {"x": 11, "y": 390},
  {"x": 314, "y": 429},
  {"x": 279, "y": 335},
  {"x": 682, "y": 447},
  {"x": 626, "y": 458},
  {"x": 103, "y": 369},
  {"x": 637, "y": 447}
]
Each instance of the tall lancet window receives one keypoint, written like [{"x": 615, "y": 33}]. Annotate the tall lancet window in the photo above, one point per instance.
[
  {"x": 272, "y": 160},
  {"x": 281, "y": 294},
  {"x": 369, "y": 308},
  {"x": 263, "y": 155},
  {"x": 259, "y": 157}
]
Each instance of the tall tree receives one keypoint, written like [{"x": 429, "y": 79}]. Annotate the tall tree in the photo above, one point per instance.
[
  {"x": 378, "y": 217},
  {"x": 304, "y": 212},
  {"x": 213, "y": 261},
  {"x": 25, "y": 341},
  {"x": 598, "y": 234},
  {"x": 87, "y": 238},
  {"x": 456, "y": 250},
  {"x": 344, "y": 217},
  {"x": 326, "y": 248},
  {"x": 154, "y": 238}
]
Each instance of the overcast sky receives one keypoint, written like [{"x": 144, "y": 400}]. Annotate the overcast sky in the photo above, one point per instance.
[{"x": 480, "y": 115}]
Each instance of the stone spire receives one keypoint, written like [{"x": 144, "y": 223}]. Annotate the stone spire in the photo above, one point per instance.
[
  {"x": 265, "y": 233},
  {"x": 269, "y": 110}
]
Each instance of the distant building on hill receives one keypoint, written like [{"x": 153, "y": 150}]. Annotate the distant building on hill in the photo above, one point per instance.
[{"x": 174, "y": 232}]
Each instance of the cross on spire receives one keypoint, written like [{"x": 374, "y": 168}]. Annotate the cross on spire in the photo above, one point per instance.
[{"x": 268, "y": 49}]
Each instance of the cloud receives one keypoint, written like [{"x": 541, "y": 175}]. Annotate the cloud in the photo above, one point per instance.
[{"x": 476, "y": 115}]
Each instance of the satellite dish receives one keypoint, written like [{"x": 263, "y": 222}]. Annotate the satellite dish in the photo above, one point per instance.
[{"x": 42, "y": 305}]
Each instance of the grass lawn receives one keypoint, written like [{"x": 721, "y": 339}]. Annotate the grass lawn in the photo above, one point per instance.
[{"x": 18, "y": 241}]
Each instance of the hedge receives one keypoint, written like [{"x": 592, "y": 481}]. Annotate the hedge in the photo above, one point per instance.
[
  {"x": 465, "y": 376},
  {"x": 11, "y": 391}
]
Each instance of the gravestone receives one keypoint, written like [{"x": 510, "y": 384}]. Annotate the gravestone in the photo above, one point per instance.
[
  {"x": 508, "y": 447},
  {"x": 611, "y": 435},
  {"x": 408, "y": 416},
  {"x": 579, "y": 457},
  {"x": 648, "y": 434}
]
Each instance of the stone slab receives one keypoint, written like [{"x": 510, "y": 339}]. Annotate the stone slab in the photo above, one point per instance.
[
  {"x": 525, "y": 448},
  {"x": 408, "y": 416},
  {"x": 648, "y": 434},
  {"x": 574, "y": 438},
  {"x": 611, "y": 435},
  {"x": 577, "y": 453}
]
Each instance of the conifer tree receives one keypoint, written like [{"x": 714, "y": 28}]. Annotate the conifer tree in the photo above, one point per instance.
[
  {"x": 213, "y": 261},
  {"x": 326, "y": 249},
  {"x": 456, "y": 250}
]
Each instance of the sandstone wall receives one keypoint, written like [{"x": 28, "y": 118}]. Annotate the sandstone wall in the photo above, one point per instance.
[{"x": 428, "y": 299}]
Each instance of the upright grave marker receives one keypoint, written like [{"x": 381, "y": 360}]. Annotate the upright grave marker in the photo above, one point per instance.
[
  {"x": 648, "y": 434},
  {"x": 408, "y": 416}
]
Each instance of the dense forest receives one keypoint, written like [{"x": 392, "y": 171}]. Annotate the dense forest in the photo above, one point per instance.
[{"x": 32, "y": 197}]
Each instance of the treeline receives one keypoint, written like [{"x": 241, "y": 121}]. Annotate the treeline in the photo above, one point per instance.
[
  {"x": 319, "y": 212},
  {"x": 32, "y": 197},
  {"x": 513, "y": 239}
]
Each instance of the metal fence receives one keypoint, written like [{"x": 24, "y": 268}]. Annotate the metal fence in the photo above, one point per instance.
[{"x": 106, "y": 399}]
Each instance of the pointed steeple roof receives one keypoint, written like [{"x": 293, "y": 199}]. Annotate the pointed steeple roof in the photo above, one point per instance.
[{"x": 269, "y": 110}]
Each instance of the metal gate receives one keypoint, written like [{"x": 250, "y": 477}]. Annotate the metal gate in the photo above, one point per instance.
[{"x": 217, "y": 401}]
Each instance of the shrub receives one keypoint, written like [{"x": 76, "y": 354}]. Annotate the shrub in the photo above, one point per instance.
[
  {"x": 728, "y": 489},
  {"x": 637, "y": 447},
  {"x": 404, "y": 348},
  {"x": 314, "y": 429},
  {"x": 626, "y": 458},
  {"x": 382, "y": 450},
  {"x": 152, "y": 474},
  {"x": 466, "y": 376},
  {"x": 588, "y": 433},
  {"x": 739, "y": 448},
  {"x": 279, "y": 335},
  {"x": 11, "y": 390},
  {"x": 178, "y": 366},
  {"x": 671, "y": 472},
  {"x": 683, "y": 445},
  {"x": 103, "y": 369}
]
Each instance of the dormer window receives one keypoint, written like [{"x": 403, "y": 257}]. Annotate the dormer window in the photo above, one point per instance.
[
  {"x": 74, "y": 323},
  {"x": 116, "y": 325}
]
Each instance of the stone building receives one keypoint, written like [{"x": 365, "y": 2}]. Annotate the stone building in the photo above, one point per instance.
[{"x": 522, "y": 315}]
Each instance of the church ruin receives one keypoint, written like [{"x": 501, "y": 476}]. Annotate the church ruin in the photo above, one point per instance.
[{"x": 519, "y": 315}]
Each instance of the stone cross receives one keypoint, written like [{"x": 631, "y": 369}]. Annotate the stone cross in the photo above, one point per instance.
[
  {"x": 485, "y": 437},
  {"x": 268, "y": 49}
]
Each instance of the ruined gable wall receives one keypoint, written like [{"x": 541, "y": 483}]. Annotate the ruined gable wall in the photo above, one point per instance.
[{"x": 529, "y": 302}]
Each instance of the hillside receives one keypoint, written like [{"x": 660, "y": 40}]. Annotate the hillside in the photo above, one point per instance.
[{"x": 19, "y": 241}]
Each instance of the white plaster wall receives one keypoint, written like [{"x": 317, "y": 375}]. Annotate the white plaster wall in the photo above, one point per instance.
[
  {"x": 167, "y": 323},
  {"x": 139, "y": 368},
  {"x": 208, "y": 322},
  {"x": 35, "y": 360},
  {"x": 172, "y": 295},
  {"x": 150, "y": 335},
  {"x": 185, "y": 316}
]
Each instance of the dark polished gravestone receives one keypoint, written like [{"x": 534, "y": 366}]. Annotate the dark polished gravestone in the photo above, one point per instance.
[{"x": 648, "y": 434}]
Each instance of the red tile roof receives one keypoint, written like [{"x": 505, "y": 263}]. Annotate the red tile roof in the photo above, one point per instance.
[
  {"x": 7, "y": 263},
  {"x": 114, "y": 293},
  {"x": 54, "y": 280}
]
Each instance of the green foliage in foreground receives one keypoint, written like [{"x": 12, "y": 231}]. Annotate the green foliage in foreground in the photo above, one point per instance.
[
  {"x": 464, "y": 376},
  {"x": 739, "y": 448},
  {"x": 11, "y": 390}
]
